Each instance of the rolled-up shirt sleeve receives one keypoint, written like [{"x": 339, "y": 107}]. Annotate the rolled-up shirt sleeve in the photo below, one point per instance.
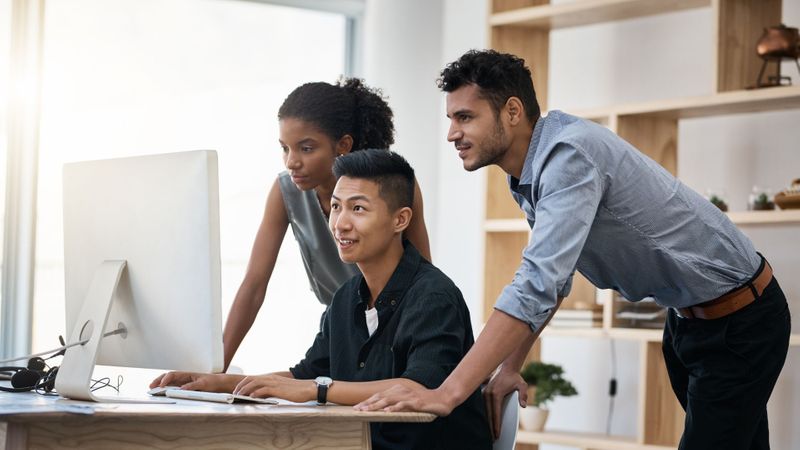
[{"x": 569, "y": 192}]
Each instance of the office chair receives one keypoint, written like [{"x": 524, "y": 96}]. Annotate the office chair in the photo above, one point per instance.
[{"x": 510, "y": 423}]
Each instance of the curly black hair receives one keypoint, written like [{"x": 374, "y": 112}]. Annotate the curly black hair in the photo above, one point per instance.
[
  {"x": 499, "y": 76},
  {"x": 348, "y": 107}
]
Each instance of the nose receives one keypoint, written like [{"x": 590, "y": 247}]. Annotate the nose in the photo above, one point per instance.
[
  {"x": 291, "y": 160},
  {"x": 454, "y": 133},
  {"x": 339, "y": 221}
]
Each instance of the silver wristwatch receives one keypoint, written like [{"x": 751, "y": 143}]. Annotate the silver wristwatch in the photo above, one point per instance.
[{"x": 322, "y": 389}]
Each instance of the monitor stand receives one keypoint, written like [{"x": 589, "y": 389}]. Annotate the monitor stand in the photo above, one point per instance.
[{"x": 75, "y": 373}]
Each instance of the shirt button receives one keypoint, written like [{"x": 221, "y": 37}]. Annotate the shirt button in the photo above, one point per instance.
[
  {"x": 393, "y": 302},
  {"x": 361, "y": 364}
]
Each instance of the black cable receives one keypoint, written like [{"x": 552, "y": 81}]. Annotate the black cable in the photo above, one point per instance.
[{"x": 612, "y": 387}]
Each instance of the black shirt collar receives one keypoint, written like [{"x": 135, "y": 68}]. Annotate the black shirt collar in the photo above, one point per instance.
[{"x": 392, "y": 294}]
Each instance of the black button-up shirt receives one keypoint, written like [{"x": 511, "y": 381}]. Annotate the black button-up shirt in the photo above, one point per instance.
[{"x": 423, "y": 332}]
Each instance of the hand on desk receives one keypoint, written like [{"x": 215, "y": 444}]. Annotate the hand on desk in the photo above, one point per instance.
[
  {"x": 208, "y": 382},
  {"x": 277, "y": 386},
  {"x": 408, "y": 398}
]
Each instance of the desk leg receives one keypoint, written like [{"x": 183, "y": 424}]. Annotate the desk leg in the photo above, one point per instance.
[
  {"x": 14, "y": 436},
  {"x": 366, "y": 440}
]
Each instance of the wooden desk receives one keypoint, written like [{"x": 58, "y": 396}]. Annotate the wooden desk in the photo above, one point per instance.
[{"x": 32, "y": 421}]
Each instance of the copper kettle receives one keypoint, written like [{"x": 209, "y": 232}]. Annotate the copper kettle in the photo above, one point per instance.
[{"x": 779, "y": 42}]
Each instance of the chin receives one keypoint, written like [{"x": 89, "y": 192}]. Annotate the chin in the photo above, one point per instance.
[{"x": 347, "y": 258}]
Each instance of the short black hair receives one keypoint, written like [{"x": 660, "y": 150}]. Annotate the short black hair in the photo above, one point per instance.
[
  {"x": 390, "y": 171},
  {"x": 348, "y": 107},
  {"x": 499, "y": 76}
]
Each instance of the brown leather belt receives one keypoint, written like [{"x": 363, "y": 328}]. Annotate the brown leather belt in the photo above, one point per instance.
[{"x": 732, "y": 301}]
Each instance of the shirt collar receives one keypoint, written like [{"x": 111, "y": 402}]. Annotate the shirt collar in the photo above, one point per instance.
[
  {"x": 392, "y": 294},
  {"x": 526, "y": 178}
]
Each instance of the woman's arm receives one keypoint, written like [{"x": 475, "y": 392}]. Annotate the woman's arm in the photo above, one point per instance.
[
  {"x": 250, "y": 295},
  {"x": 416, "y": 232}
]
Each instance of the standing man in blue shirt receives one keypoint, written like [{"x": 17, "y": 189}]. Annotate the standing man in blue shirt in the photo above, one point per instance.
[{"x": 598, "y": 205}]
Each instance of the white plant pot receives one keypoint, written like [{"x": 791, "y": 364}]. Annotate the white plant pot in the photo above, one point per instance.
[{"x": 532, "y": 418}]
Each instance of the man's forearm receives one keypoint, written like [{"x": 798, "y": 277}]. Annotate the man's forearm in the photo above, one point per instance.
[
  {"x": 502, "y": 336},
  {"x": 350, "y": 393},
  {"x": 514, "y": 362}
]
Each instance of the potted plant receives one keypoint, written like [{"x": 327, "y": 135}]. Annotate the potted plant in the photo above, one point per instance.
[
  {"x": 545, "y": 382},
  {"x": 719, "y": 202}
]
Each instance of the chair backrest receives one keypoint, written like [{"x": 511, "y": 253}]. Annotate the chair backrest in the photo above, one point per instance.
[{"x": 510, "y": 423}]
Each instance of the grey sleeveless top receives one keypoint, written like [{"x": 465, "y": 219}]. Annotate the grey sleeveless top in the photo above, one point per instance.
[{"x": 326, "y": 272}]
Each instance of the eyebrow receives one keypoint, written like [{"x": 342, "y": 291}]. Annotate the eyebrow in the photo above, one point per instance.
[
  {"x": 460, "y": 111},
  {"x": 353, "y": 198},
  {"x": 307, "y": 140}
]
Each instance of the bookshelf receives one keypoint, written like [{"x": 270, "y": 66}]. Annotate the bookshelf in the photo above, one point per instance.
[{"x": 522, "y": 27}]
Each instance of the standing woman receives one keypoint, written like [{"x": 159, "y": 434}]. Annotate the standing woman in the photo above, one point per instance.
[{"x": 318, "y": 122}]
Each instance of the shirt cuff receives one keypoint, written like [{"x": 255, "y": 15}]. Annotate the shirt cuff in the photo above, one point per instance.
[{"x": 514, "y": 307}]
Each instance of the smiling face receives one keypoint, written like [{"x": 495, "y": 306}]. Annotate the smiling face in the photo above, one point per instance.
[
  {"x": 477, "y": 132},
  {"x": 362, "y": 225},
  {"x": 308, "y": 153}
]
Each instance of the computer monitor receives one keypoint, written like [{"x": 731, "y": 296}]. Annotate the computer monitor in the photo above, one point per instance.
[{"x": 141, "y": 249}]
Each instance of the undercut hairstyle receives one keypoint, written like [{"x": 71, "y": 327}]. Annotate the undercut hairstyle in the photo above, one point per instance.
[
  {"x": 390, "y": 171},
  {"x": 348, "y": 107},
  {"x": 499, "y": 76}
]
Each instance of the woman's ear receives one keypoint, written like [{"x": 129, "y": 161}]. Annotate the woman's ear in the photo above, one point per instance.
[
  {"x": 402, "y": 219},
  {"x": 345, "y": 145}
]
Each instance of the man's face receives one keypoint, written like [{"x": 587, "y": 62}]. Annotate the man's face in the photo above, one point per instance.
[
  {"x": 478, "y": 134},
  {"x": 360, "y": 220}
]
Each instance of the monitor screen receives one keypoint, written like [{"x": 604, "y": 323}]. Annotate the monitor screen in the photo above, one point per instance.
[{"x": 160, "y": 215}]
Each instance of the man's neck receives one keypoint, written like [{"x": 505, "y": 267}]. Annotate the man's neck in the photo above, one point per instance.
[
  {"x": 514, "y": 159},
  {"x": 378, "y": 272}
]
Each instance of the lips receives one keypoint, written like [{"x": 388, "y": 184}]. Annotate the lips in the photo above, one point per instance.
[
  {"x": 299, "y": 178},
  {"x": 345, "y": 244},
  {"x": 462, "y": 150}
]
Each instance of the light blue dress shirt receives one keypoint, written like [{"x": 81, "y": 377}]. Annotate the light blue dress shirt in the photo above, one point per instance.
[{"x": 598, "y": 205}]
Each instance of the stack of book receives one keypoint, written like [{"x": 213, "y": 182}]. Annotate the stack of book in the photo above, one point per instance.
[
  {"x": 642, "y": 314},
  {"x": 578, "y": 318}
]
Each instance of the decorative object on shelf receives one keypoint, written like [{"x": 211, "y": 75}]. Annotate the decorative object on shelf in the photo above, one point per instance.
[
  {"x": 776, "y": 44},
  {"x": 789, "y": 198},
  {"x": 760, "y": 200},
  {"x": 718, "y": 201},
  {"x": 545, "y": 382}
]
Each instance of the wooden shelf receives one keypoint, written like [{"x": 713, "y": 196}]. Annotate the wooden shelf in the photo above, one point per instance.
[
  {"x": 506, "y": 225},
  {"x": 765, "y": 217},
  {"x": 587, "y": 12},
  {"x": 734, "y": 102},
  {"x": 595, "y": 441},
  {"x": 631, "y": 334},
  {"x": 777, "y": 217}
]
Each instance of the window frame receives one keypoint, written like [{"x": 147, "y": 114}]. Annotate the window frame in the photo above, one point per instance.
[{"x": 21, "y": 183}]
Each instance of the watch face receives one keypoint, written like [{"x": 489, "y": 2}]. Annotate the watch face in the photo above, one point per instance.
[{"x": 323, "y": 381}]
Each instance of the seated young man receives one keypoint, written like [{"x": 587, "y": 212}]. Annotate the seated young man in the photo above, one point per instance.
[{"x": 402, "y": 322}]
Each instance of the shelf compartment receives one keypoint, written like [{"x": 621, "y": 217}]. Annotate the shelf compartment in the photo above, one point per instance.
[
  {"x": 595, "y": 441},
  {"x": 734, "y": 102},
  {"x": 588, "y": 12}
]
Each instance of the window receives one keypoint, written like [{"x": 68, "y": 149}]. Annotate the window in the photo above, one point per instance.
[{"x": 126, "y": 77}]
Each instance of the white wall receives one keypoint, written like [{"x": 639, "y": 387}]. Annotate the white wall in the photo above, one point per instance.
[{"x": 637, "y": 60}]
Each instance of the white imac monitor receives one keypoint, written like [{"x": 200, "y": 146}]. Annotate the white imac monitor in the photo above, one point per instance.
[{"x": 141, "y": 252}]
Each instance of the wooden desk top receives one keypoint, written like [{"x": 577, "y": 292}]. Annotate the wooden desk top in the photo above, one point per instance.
[{"x": 28, "y": 407}]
